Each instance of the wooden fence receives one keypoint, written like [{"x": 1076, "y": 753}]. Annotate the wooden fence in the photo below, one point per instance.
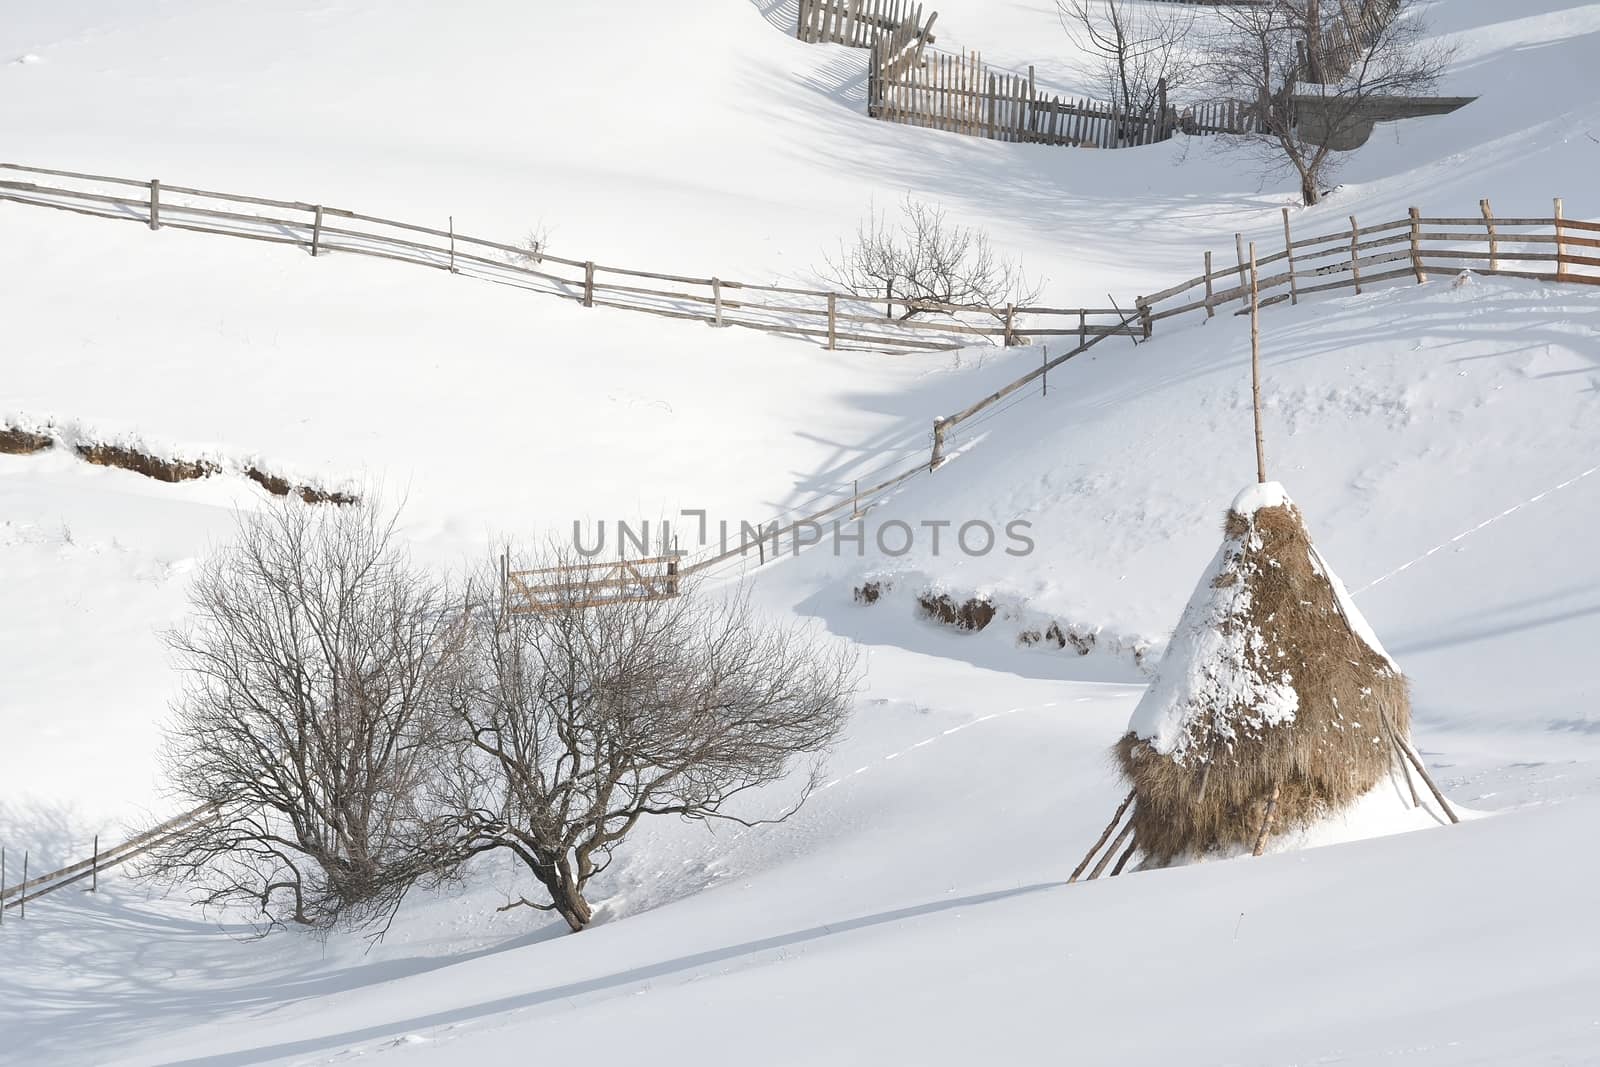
[
  {"x": 18, "y": 896},
  {"x": 1415, "y": 248},
  {"x": 836, "y": 320},
  {"x": 1346, "y": 40},
  {"x": 963, "y": 94},
  {"x": 860, "y": 22}
]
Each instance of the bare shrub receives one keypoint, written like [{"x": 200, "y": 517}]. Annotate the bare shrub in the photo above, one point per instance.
[
  {"x": 1137, "y": 52},
  {"x": 587, "y": 717},
  {"x": 925, "y": 259},
  {"x": 317, "y": 673},
  {"x": 1312, "y": 97}
]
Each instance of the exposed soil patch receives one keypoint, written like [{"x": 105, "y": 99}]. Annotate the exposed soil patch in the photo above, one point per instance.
[
  {"x": 278, "y": 486},
  {"x": 162, "y": 470},
  {"x": 867, "y": 592},
  {"x": 14, "y": 442},
  {"x": 974, "y": 614}
]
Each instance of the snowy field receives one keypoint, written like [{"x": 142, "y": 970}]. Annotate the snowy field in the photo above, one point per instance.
[{"x": 1442, "y": 440}]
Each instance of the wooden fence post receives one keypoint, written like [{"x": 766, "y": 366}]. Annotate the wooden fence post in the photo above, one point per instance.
[
  {"x": 1083, "y": 327},
  {"x": 833, "y": 322},
  {"x": 1416, "y": 246},
  {"x": 1044, "y": 367},
  {"x": 1561, "y": 252},
  {"x": 938, "y": 444},
  {"x": 1210, "y": 310},
  {"x": 94, "y": 866},
  {"x": 24, "y": 895},
  {"x": 1238, "y": 246},
  {"x": 2, "y": 885},
  {"x": 155, "y": 208},
  {"x": 1255, "y": 363},
  {"x": 1288, "y": 251},
  {"x": 316, "y": 233},
  {"x": 716, "y": 299},
  {"x": 1494, "y": 241},
  {"x": 1145, "y": 321},
  {"x": 1011, "y": 314},
  {"x": 452, "y": 240},
  {"x": 1355, "y": 267},
  {"x": 588, "y": 284}
]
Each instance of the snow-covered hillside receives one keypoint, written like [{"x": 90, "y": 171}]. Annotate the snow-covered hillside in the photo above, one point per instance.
[{"x": 1442, "y": 440}]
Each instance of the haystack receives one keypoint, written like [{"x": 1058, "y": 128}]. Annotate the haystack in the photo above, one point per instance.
[{"x": 1274, "y": 704}]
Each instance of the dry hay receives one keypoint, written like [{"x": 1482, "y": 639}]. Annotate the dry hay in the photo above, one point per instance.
[{"x": 1280, "y": 634}]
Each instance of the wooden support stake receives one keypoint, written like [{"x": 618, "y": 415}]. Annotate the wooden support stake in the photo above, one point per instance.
[
  {"x": 1011, "y": 314},
  {"x": 24, "y": 901},
  {"x": 1255, "y": 364},
  {"x": 1126, "y": 856},
  {"x": 938, "y": 445},
  {"x": 1355, "y": 266},
  {"x": 1494, "y": 240},
  {"x": 155, "y": 208},
  {"x": 316, "y": 232},
  {"x": 1238, "y": 246},
  {"x": 1427, "y": 779},
  {"x": 588, "y": 284},
  {"x": 1110, "y": 826},
  {"x": 1288, "y": 250},
  {"x": 1111, "y": 852},
  {"x": 1394, "y": 743},
  {"x": 1210, "y": 310},
  {"x": 716, "y": 298},
  {"x": 1266, "y": 823},
  {"x": 2, "y": 886},
  {"x": 452, "y": 240},
  {"x": 1044, "y": 368},
  {"x": 1561, "y": 252},
  {"x": 833, "y": 322},
  {"x": 94, "y": 866},
  {"x": 855, "y": 499},
  {"x": 1083, "y": 327},
  {"x": 1416, "y": 246}
]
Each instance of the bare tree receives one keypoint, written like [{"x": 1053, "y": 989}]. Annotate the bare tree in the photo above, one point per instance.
[
  {"x": 601, "y": 710},
  {"x": 1137, "y": 52},
  {"x": 926, "y": 260},
  {"x": 1316, "y": 75},
  {"x": 318, "y": 670}
]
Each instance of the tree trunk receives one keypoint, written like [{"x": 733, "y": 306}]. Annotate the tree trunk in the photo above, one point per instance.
[{"x": 1308, "y": 189}]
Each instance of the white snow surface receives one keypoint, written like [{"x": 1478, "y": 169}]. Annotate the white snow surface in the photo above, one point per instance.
[
  {"x": 1213, "y": 660},
  {"x": 1443, "y": 440}
]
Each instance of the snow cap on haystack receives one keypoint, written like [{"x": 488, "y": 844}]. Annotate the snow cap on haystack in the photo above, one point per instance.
[{"x": 1272, "y": 681}]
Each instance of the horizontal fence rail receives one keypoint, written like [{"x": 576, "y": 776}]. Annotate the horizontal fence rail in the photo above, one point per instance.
[
  {"x": 1414, "y": 248},
  {"x": 835, "y": 320}
]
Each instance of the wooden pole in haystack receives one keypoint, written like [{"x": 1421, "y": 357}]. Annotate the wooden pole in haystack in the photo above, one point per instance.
[
  {"x": 1255, "y": 365},
  {"x": 1266, "y": 823},
  {"x": 1104, "y": 837}
]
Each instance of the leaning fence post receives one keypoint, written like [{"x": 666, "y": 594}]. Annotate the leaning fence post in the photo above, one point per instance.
[
  {"x": 1288, "y": 251},
  {"x": 1416, "y": 246},
  {"x": 1494, "y": 240},
  {"x": 316, "y": 232},
  {"x": 155, "y": 203},
  {"x": 1561, "y": 252},
  {"x": 833, "y": 322},
  {"x": 1210, "y": 309},
  {"x": 716, "y": 298},
  {"x": 938, "y": 444},
  {"x": 1355, "y": 265},
  {"x": 588, "y": 284},
  {"x": 1238, "y": 244}
]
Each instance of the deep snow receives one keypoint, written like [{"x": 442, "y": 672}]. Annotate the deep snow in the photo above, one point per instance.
[{"x": 1440, "y": 438}]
